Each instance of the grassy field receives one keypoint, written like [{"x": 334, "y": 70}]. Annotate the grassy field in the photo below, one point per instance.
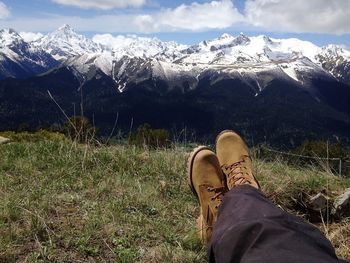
[{"x": 68, "y": 202}]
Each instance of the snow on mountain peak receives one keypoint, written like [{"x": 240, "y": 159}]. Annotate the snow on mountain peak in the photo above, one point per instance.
[
  {"x": 241, "y": 39},
  {"x": 229, "y": 53},
  {"x": 334, "y": 51},
  {"x": 223, "y": 42},
  {"x": 65, "y": 32},
  {"x": 65, "y": 43},
  {"x": 225, "y": 35},
  {"x": 142, "y": 47},
  {"x": 298, "y": 47},
  {"x": 9, "y": 31},
  {"x": 9, "y": 37},
  {"x": 254, "y": 54},
  {"x": 66, "y": 28}
]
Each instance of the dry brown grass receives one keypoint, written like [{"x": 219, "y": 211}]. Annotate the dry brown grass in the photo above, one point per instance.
[{"x": 339, "y": 235}]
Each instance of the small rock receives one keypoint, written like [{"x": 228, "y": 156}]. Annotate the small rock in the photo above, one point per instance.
[
  {"x": 318, "y": 207},
  {"x": 4, "y": 140},
  {"x": 342, "y": 204},
  {"x": 319, "y": 202}
]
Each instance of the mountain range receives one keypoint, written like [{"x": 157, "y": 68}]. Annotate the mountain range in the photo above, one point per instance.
[{"x": 279, "y": 91}]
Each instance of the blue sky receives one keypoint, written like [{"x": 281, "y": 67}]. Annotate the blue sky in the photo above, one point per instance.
[{"x": 185, "y": 21}]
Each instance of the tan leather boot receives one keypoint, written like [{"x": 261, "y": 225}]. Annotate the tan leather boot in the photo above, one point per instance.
[
  {"x": 235, "y": 161},
  {"x": 208, "y": 184}
]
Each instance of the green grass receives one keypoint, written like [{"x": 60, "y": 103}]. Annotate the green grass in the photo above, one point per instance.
[{"x": 65, "y": 202}]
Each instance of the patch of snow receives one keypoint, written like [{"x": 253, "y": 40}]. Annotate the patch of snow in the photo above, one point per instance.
[{"x": 290, "y": 72}]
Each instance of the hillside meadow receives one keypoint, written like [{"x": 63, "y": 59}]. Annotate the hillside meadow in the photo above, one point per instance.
[{"x": 62, "y": 201}]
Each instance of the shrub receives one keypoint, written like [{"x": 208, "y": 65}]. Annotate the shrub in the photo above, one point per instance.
[
  {"x": 154, "y": 138},
  {"x": 321, "y": 149},
  {"x": 79, "y": 128}
]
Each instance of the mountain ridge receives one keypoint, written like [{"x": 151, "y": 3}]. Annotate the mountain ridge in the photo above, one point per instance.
[
  {"x": 268, "y": 89},
  {"x": 240, "y": 53}
]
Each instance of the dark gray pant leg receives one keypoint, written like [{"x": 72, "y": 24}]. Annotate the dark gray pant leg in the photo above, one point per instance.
[{"x": 250, "y": 228}]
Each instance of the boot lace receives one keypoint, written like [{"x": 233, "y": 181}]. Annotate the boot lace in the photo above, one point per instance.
[
  {"x": 219, "y": 193},
  {"x": 236, "y": 174}
]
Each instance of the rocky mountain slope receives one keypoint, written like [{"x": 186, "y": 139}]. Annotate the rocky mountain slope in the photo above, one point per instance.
[{"x": 19, "y": 59}]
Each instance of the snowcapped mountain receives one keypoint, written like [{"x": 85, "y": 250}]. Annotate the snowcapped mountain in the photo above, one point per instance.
[
  {"x": 132, "y": 58},
  {"x": 125, "y": 58},
  {"x": 246, "y": 55},
  {"x": 228, "y": 50},
  {"x": 335, "y": 60},
  {"x": 65, "y": 43},
  {"x": 10, "y": 38},
  {"x": 226, "y": 56},
  {"x": 20, "y": 59}
]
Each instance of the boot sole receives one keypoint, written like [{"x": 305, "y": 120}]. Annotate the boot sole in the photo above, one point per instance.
[
  {"x": 190, "y": 161},
  {"x": 201, "y": 227}
]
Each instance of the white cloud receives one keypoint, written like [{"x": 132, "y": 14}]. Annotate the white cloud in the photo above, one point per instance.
[
  {"x": 195, "y": 17},
  {"x": 30, "y": 36},
  {"x": 102, "y": 4},
  {"x": 316, "y": 16},
  {"x": 4, "y": 11},
  {"x": 111, "y": 41},
  {"x": 103, "y": 23}
]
